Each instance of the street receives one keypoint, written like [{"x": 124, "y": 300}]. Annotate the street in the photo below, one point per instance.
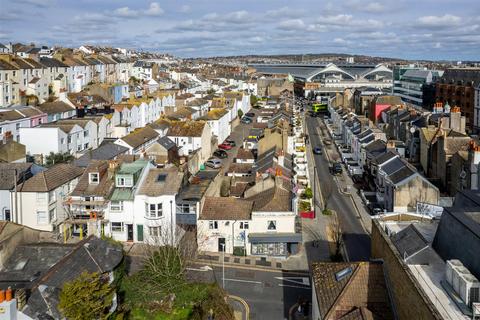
[
  {"x": 270, "y": 294},
  {"x": 357, "y": 241}
]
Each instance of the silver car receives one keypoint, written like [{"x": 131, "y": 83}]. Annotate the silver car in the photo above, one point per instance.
[{"x": 214, "y": 163}]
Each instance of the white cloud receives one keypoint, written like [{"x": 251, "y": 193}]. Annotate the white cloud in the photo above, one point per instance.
[
  {"x": 292, "y": 24},
  {"x": 125, "y": 12},
  {"x": 154, "y": 10},
  {"x": 446, "y": 20},
  {"x": 374, "y": 7},
  {"x": 339, "y": 19},
  {"x": 284, "y": 12},
  {"x": 37, "y": 3}
]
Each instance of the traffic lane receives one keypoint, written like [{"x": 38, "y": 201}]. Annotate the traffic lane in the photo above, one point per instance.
[
  {"x": 269, "y": 294},
  {"x": 357, "y": 241}
]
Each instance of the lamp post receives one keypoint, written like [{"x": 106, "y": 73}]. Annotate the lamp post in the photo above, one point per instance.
[
  {"x": 223, "y": 264},
  {"x": 171, "y": 222}
]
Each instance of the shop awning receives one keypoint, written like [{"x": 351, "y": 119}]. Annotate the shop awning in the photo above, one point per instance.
[{"x": 275, "y": 237}]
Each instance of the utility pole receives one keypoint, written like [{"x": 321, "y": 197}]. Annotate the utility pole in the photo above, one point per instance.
[
  {"x": 171, "y": 223},
  {"x": 314, "y": 189}
]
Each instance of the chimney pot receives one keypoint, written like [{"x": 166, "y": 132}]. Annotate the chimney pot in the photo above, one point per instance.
[
  {"x": 9, "y": 294},
  {"x": 2, "y": 296}
]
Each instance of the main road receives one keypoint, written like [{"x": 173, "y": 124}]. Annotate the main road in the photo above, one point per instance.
[{"x": 357, "y": 240}]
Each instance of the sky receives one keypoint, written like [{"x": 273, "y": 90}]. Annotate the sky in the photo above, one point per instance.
[{"x": 411, "y": 29}]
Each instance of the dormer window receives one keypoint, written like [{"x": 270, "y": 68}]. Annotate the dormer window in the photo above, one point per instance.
[{"x": 93, "y": 177}]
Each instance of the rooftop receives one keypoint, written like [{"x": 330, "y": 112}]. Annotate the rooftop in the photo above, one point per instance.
[
  {"x": 51, "y": 178},
  {"x": 161, "y": 182},
  {"x": 226, "y": 208}
]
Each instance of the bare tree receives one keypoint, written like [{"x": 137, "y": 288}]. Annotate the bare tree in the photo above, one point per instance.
[
  {"x": 327, "y": 191},
  {"x": 336, "y": 236},
  {"x": 166, "y": 255}
]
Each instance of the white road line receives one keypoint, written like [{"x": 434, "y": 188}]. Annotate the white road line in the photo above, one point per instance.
[
  {"x": 297, "y": 280},
  {"x": 289, "y": 286},
  {"x": 246, "y": 281}
]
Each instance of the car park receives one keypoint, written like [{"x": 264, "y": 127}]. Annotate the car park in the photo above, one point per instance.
[
  {"x": 214, "y": 163},
  {"x": 222, "y": 154},
  {"x": 225, "y": 146}
]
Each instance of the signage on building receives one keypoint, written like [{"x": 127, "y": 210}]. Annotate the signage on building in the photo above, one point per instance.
[
  {"x": 430, "y": 210},
  {"x": 312, "y": 86}
]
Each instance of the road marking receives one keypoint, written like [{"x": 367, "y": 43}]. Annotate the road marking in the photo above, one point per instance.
[
  {"x": 298, "y": 280},
  {"x": 250, "y": 267},
  {"x": 289, "y": 286},
  {"x": 245, "y": 304},
  {"x": 240, "y": 280},
  {"x": 204, "y": 268}
]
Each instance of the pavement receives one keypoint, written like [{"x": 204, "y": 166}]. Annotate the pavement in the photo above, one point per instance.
[{"x": 356, "y": 237}]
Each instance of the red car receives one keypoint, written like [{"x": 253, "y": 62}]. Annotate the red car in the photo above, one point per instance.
[{"x": 225, "y": 146}]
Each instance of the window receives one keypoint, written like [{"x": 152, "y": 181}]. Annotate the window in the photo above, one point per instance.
[
  {"x": 116, "y": 206},
  {"x": 52, "y": 215},
  {"x": 62, "y": 140},
  {"x": 93, "y": 177},
  {"x": 154, "y": 231},
  {"x": 117, "y": 226},
  {"x": 124, "y": 182},
  {"x": 153, "y": 210},
  {"x": 85, "y": 133},
  {"x": 244, "y": 225},
  {"x": 52, "y": 196},
  {"x": 1, "y": 130},
  {"x": 69, "y": 139},
  {"x": 17, "y": 126},
  {"x": 272, "y": 225},
  {"x": 85, "y": 146},
  {"x": 213, "y": 225},
  {"x": 42, "y": 217}
]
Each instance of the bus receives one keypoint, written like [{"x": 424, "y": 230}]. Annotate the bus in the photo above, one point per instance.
[{"x": 319, "y": 107}]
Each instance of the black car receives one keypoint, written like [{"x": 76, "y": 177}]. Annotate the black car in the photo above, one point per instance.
[
  {"x": 337, "y": 168},
  {"x": 250, "y": 114},
  {"x": 230, "y": 142},
  {"x": 317, "y": 150},
  {"x": 222, "y": 154}
]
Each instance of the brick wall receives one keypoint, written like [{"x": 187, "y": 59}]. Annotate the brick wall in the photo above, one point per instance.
[{"x": 409, "y": 301}]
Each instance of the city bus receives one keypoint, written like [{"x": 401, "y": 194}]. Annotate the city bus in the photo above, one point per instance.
[{"x": 319, "y": 107}]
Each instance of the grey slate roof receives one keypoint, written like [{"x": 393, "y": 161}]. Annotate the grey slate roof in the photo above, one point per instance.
[
  {"x": 409, "y": 241},
  {"x": 107, "y": 151},
  {"x": 166, "y": 142}
]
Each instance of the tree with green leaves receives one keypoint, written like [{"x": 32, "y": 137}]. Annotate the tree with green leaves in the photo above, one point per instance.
[
  {"x": 56, "y": 158},
  {"x": 253, "y": 99},
  {"x": 87, "y": 297},
  {"x": 240, "y": 113}
]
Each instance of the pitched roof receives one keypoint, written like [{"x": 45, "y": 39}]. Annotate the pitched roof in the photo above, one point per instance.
[
  {"x": 343, "y": 288},
  {"x": 7, "y": 174},
  {"x": 166, "y": 142},
  {"x": 54, "y": 107},
  {"x": 186, "y": 128},
  {"x": 140, "y": 136},
  {"x": 226, "y": 208},
  {"x": 106, "y": 151},
  {"x": 244, "y": 154},
  {"x": 161, "y": 182},
  {"x": 103, "y": 188},
  {"x": 51, "y": 178},
  {"x": 275, "y": 199}
]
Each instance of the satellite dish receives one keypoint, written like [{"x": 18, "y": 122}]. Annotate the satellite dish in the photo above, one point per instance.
[
  {"x": 463, "y": 174},
  {"x": 412, "y": 129}
]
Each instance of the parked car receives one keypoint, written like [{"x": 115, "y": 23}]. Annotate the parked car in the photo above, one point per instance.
[
  {"x": 336, "y": 168},
  {"x": 214, "y": 163},
  {"x": 225, "y": 146},
  {"x": 317, "y": 150},
  {"x": 246, "y": 120},
  {"x": 250, "y": 114},
  {"x": 230, "y": 142},
  {"x": 222, "y": 154},
  {"x": 327, "y": 142}
]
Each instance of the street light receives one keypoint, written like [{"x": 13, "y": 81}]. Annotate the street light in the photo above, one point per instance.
[
  {"x": 223, "y": 264},
  {"x": 171, "y": 223}
]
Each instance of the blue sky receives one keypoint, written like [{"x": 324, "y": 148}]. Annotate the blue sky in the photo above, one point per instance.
[{"x": 416, "y": 29}]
